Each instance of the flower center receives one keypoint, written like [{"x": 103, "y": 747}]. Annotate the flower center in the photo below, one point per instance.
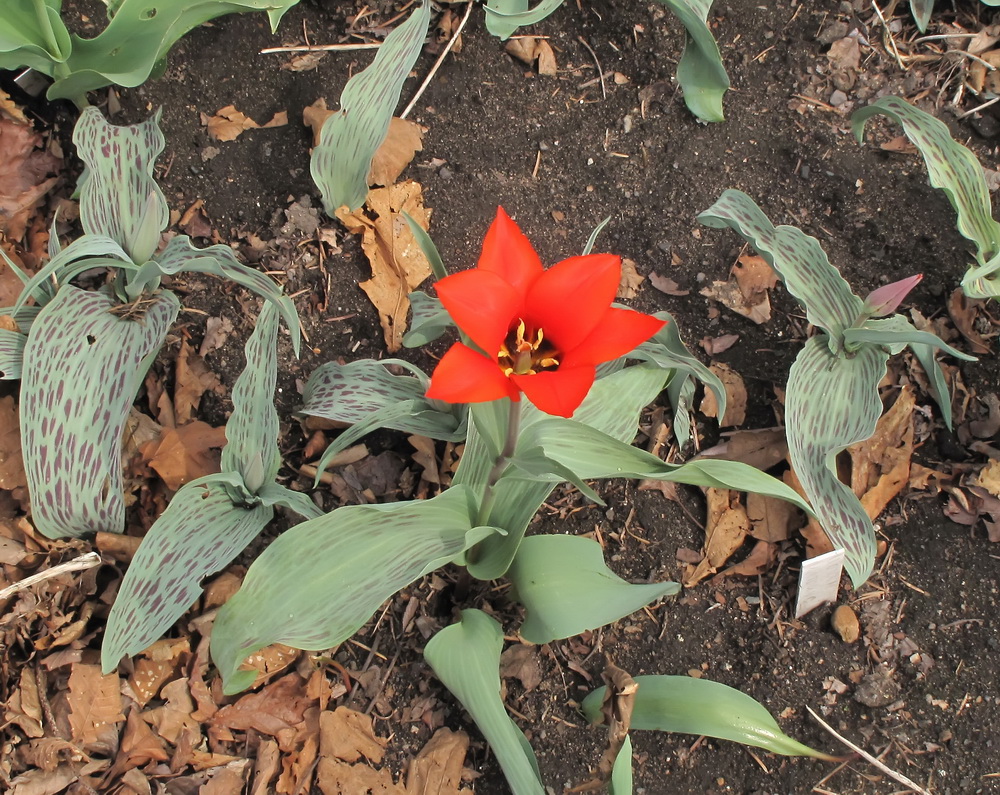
[{"x": 524, "y": 353}]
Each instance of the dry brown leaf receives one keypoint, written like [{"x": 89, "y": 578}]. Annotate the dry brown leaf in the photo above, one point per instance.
[
  {"x": 304, "y": 62},
  {"x": 736, "y": 397},
  {"x": 173, "y": 721},
  {"x": 95, "y": 705},
  {"x": 980, "y": 77},
  {"x": 726, "y": 528},
  {"x": 228, "y": 779},
  {"x": 437, "y": 769},
  {"x": 746, "y": 293},
  {"x": 10, "y": 109},
  {"x": 963, "y": 312},
  {"x": 529, "y": 49},
  {"x": 817, "y": 541},
  {"x": 228, "y": 124},
  {"x": 24, "y": 708},
  {"x": 11, "y": 463},
  {"x": 425, "y": 457},
  {"x": 845, "y": 53},
  {"x": 194, "y": 222},
  {"x": 989, "y": 477},
  {"x": 398, "y": 264},
  {"x": 334, "y": 777},
  {"x": 522, "y": 663},
  {"x": 42, "y": 782},
  {"x": 754, "y": 277},
  {"x": 266, "y": 767},
  {"x": 760, "y": 559},
  {"x": 10, "y": 285},
  {"x": 666, "y": 285},
  {"x": 217, "y": 331},
  {"x": 714, "y": 345},
  {"x": 628, "y": 287},
  {"x": 156, "y": 666},
  {"x": 617, "y": 708},
  {"x": 192, "y": 378},
  {"x": 880, "y": 466},
  {"x": 313, "y": 117},
  {"x": 348, "y": 735},
  {"x": 900, "y": 144},
  {"x": 279, "y": 706},
  {"x": 761, "y": 449},
  {"x": 403, "y": 141},
  {"x": 182, "y": 454},
  {"x": 139, "y": 745},
  {"x": 771, "y": 519},
  {"x": 24, "y": 178}
]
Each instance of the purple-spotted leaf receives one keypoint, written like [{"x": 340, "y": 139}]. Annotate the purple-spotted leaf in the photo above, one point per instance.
[
  {"x": 797, "y": 258},
  {"x": 118, "y": 196},
  {"x": 319, "y": 582},
  {"x": 199, "y": 533},
  {"x": 567, "y": 588},
  {"x": 351, "y": 136},
  {"x": 180, "y": 256},
  {"x": 430, "y": 319},
  {"x": 11, "y": 354},
  {"x": 466, "y": 658},
  {"x": 955, "y": 170},
  {"x": 83, "y": 364},
  {"x": 831, "y": 403}
]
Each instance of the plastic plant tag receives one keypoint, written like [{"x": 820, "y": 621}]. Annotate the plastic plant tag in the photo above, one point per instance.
[{"x": 819, "y": 581}]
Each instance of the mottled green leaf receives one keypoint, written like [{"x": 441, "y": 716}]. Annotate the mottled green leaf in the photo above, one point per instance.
[
  {"x": 567, "y": 588},
  {"x": 180, "y": 256},
  {"x": 430, "y": 320},
  {"x": 504, "y": 17},
  {"x": 118, "y": 196},
  {"x": 351, "y": 136},
  {"x": 199, "y": 533},
  {"x": 83, "y": 363},
  {"x": 796, "y": 257},
  {"x": 11, "y": 354},
  {"x": 831, "y": 403},
  {"x": 702, "y": 707},
  {"x": 319, "y": 582},
  {"x": 955, "y": 170},
  {"x": 466, "y": 658},
  {"x": 700, "y": 71}
]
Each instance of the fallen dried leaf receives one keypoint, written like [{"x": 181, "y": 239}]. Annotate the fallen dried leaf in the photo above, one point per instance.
[
  {"x": 666, "y": 285},
  {"x": 522, "y": 663},
  {"x": 192, "y": 378},
  {"x": 772, "y": 519},
  {"x": 182, "y": 454},
  {"x": 726, "y": 528},
  {"x": 348, "y": 735},
  {"x": 963, "y": 312},
  {"x": 24, "y": 178},
  {"x": 736, "y": 397},
  {"x": 437, "y": 769},
  {"x": 716, "y": 345},
  {"x": 529, "y": 49},
  {"x": 12, "y": 474},
  {"x": 628, "y": 287},
  {"x": 228, "y": 124},
  {"x": 403, "y": 141},
  {"x": 760, "y": 559},
  {"x": 217, "y": 331},
  {"x": 95, "y": 706}
]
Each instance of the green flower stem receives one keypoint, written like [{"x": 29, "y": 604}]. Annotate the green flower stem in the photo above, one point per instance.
[
  {"x": 46, "y": 25},
  {"x": 503, "y": 458}
]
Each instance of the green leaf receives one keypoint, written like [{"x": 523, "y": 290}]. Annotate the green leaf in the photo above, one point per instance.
[
  {"x": 796, "y": 257},
  {"x": 199, "y": 533},
  {"x": 32, "y": 34},
  {"x": 504, "y": 17},
  {"x": 319, "y": 582},
  {"x": 831, "y": 403},
  {"x": 134, "y": 45},
  {"x": 430, "y": 320},
  {"x": 83, "y": 363},
  {"x": 567, "y": 588},
  {"x": 702, "y": 707},
  {"x": 118, "y": 196},
  {"x": 895, "y": 333},
  {"x": 700, "y": 71},
  {"x": 180, "y": 256},
  {"x": 272, "y": 494},
  {"x": 921, "y": 10},
  {"x": 351, "y": 136},
  {"x": 466, "y": 658},
  {"x": 11, "y": 354},
  {"x": 621, "y": 773},
  {"x": 427, "y": 246},
  {"x": 955, "y": 170}
]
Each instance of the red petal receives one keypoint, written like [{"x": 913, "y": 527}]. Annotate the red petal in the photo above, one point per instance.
[
  {"x": 509, "y": 254},
  {"x": 619, "y": 331},
  {"x": 482, "y": 304},
  {"x": 559, "y": 392},
  {"x": 571, "y": 297},
  {"x": 464, "y": 376}
]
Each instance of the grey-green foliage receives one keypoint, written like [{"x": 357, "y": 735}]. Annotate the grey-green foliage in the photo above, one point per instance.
[
  {"x": 131, "y": 49},
  {"x": 212, "y": 519},
  {"x": 922, "y": 10},
  {"x": 832, "y": 393},
  {"x": 81, "y": 355},
  {"x": 955, "y": 170}
]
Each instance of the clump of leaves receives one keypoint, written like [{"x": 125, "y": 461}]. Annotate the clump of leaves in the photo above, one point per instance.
[
  {"x": 955, "y": 170},
  {"x": 81, "y": 355},
  {"x": 832, "y": 393},
  {"x": 131, "y": 49}
]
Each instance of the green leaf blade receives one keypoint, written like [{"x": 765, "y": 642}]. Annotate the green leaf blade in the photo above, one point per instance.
[
  {"x": 700, "y": 71},
  {"x": 466, "y": 658}
]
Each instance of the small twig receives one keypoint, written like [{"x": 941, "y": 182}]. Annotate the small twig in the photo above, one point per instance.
[
  {"x": 81, "y": 563},
  {"x": 889, "y": 36},
  {"x": 600, "y": 71},
  {"x": 867, "y": 756},
  {"x": 439, "y": 61},
  {"x": 323, "y": 48}
]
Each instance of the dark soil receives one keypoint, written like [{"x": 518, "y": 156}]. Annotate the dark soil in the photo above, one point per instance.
[{"x": 920, "y": 688}]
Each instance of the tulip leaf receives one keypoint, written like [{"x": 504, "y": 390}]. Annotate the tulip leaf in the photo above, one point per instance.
[
  {"x": 33, "y": 35},
  {"x": 700, "y": 71},
  {"x": 319, "y": 582},
  {"x": 504, "y": 17},
  {"x": 11, "y": 354},
  {"x": 702, "y": 707},
  {"x": 955, "y": 170},
  {"x": 427, "y": 246},
  {"x": 199, "y": 533},
  {"x": 621, "y": 772},
  {"x": 466, "y": 658},
  {"x": 180, "y": 256},
  {"x": 567, "y": 588},
  {"x": 351, "y": 136},
  {"x": 83, "y": 364},
  {"x": 831, "y": 403},
  {"x": 430, "y": 320},
  {"x": 118, "y": 196},
  {"x": 921, "y": 10},
  {"x": 796, "y": 257}
]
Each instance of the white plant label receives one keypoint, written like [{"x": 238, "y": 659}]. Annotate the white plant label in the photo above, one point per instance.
[{"x": 819, "y": 581}]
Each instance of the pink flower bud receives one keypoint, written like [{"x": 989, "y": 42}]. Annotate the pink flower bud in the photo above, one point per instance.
[{"x": 884, "y": 300}]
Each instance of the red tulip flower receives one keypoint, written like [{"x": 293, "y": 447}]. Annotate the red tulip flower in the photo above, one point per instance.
[{"x": 540, "y": 332}]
